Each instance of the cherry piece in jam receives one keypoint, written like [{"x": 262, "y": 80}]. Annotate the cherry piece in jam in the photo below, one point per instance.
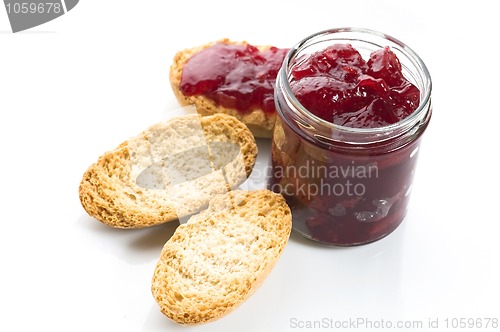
[
  {"x": 337, "y": 85},
  {"x": 234, "y": 76}
]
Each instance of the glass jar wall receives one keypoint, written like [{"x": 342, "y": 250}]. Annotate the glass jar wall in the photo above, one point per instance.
[{"x": 346, "y": 186}]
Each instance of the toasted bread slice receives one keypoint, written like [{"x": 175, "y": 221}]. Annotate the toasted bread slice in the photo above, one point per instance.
[
  {"x": 218, "y": 258},
  {"x": 169, "y": 171},
  {"x": 259, "y": 122}
]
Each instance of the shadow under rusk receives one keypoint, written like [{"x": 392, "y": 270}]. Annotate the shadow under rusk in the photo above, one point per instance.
[
  {"x": 135, "y": 246},
  {"x": 154, "y": 238}
]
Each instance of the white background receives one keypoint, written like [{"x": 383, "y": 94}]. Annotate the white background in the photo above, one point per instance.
[{"x": 78, "y": 86}]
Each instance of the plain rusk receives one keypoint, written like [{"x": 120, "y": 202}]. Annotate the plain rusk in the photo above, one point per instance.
[
  {"x": 169, "y": 171},
  {"x": 218, "y": 258}
]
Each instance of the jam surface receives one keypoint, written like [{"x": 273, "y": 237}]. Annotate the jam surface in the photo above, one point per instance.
[
  {"x": 339, "y": 86},
  {"x": 234, "y": 76}
]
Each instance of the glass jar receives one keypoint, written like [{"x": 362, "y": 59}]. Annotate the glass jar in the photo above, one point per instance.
[{"x": 346, "y": 186}]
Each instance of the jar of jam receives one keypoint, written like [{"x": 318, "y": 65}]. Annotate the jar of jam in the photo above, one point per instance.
[{"x": 352, "y": 106}]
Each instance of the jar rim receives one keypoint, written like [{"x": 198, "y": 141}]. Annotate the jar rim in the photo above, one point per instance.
[{"x": 408, "y": 121}]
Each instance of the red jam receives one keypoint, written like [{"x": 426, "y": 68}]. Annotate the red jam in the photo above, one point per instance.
[
  {"x": 234, "y": 76},
  {"x": 338, "y": 199},
  {"x": 344, "y": 193},
  {"x": 338, "y": 86}
]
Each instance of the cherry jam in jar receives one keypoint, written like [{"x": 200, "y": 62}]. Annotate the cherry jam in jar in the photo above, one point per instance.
[{"x": 352, "y": 106}]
